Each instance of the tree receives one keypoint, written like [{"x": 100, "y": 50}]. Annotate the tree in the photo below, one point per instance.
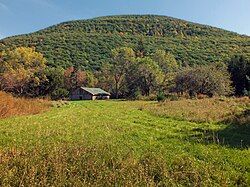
[
  {"x": 148, "y": 76},
  {"x": 105, "y": 79},
  {"x": 90, "y": 79},
  {"x": 239, "y": 68},
  {"x": 18, "y": 68},
  {"x": 140, "y": 48},
  {"x": 15, "y": 81},
  {"x": 54, "y": 84},
  {"x": 70, "y": 79},
  {"x": 75, "y": 78},
  {"x": 207, "y": 80},
  {"x": 127, "y": 76},
  {"x": 166, "y": 61},
  {"x": 121, "y": 60}
]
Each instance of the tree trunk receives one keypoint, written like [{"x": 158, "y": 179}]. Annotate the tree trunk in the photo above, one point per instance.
[{"x": 116, "y": 91}]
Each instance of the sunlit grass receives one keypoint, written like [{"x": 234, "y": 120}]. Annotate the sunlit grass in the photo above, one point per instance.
[
  {"x": 200, "y": 110},
  {"x": 116, "y": 142}
]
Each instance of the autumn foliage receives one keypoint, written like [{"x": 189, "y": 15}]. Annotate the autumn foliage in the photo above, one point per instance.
[{"x": 19, "y": 70}]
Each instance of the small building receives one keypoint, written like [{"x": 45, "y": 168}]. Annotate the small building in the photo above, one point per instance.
[{"x": 83, "y": 93}]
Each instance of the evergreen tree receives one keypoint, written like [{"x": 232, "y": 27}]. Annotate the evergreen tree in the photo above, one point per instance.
[{"x": 239, "y": 68}]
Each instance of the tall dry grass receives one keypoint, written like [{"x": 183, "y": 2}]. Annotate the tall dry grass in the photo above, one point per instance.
[
  {"x": 201, "y": 110},
  {"x": 72, "y": 165},
  {"x": 11, "y": 106}
]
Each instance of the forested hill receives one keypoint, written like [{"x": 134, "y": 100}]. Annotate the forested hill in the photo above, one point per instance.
[{"x": 88, "y": 43}]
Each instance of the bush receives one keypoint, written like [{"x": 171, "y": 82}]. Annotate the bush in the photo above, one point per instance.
[
  {"x": 246, "y": 92},
  {"x": 160, "y": 97},
  {"x": 59, "y": 94}
]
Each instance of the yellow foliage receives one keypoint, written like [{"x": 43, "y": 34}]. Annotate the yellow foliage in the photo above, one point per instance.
[
  {"x": 18, "y": 67},
  {"x": 22, "y": 57}
]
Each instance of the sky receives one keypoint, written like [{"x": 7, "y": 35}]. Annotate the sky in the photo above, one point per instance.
[{"x": 25, "y": 16}]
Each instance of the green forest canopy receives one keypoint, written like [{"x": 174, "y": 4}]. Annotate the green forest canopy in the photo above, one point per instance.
[{"x": 87, "y": 44}]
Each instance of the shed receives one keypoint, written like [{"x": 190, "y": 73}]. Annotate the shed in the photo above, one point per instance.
[{"x": 84, "y": 93}]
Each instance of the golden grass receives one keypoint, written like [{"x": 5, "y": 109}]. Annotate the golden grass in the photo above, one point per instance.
[
  {"x": 88, "y": 166},
  {"x": 200, "y": 110},
  {"x": 11, "y": 106}
]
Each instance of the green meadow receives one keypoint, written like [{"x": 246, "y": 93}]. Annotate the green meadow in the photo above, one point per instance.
[{"x": 120, "y": 143}]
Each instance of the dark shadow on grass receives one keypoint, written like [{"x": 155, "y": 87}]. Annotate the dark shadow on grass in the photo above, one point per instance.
[{"x": 235, "y": 135}]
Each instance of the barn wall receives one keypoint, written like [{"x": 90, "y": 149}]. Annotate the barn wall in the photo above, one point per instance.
[
  {"x": 103, "y": 97},
  {"x": 74, "y": 95},
  {"x": 80, "y": 94},
  {"x": 86, "y": 95}
]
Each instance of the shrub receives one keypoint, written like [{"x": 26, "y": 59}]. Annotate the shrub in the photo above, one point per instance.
[
  {"x": 246, "y": 92},
  {"x": 160, "y": 96},
  {"x": 59, "y": 94}
]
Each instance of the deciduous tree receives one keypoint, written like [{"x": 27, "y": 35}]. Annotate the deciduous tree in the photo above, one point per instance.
[
  {"x": 75, "y": 78},
  {"x": 149, "y": 75},
  {"x": 207, "y": 80},
  {"x": 19, "y": 67},
  {"x": 122, "y": 58},
  {"x": 166, "y": 61}
]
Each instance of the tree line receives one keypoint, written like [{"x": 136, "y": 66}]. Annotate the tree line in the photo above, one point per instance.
[{"x": 130, "y": 73}]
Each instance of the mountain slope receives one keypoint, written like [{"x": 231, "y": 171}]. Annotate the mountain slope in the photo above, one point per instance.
[{"x": 87, "y": 43}]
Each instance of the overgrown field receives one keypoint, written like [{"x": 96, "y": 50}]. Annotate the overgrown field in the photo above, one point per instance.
[
  {"x": 217, "y": 109},
  {"x": 126, "y": 143},
  {"x": 11, "y": 106}
]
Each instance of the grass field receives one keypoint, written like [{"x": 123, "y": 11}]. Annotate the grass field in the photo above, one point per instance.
[{"x": 121, "y": 143}]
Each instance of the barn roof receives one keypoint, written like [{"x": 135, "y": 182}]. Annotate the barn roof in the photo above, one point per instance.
[{"x": 95, "y": 91}]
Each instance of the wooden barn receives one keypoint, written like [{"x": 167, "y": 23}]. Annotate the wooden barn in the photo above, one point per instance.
[{"x": 83, "y": 93}]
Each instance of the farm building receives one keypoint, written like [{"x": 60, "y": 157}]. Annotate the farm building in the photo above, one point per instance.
[{"x": 83, "y": 93}]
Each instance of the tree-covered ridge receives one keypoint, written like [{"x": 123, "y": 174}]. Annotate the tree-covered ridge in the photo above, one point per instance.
[
  {"x": 149, "y": 25},
  {"x": 88, "y": 43}
]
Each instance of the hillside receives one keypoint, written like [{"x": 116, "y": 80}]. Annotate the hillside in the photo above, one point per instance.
[{"x": 87, "y": 43}]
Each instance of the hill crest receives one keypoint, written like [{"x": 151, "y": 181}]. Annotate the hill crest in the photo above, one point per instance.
[{"x": 87, "y": 43}]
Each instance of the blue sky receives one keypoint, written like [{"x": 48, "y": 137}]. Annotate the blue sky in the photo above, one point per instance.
[{"x": 25, "y": 16}]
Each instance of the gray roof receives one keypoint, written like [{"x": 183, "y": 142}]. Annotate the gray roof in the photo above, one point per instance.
[{"x": 95, "y": 91}]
